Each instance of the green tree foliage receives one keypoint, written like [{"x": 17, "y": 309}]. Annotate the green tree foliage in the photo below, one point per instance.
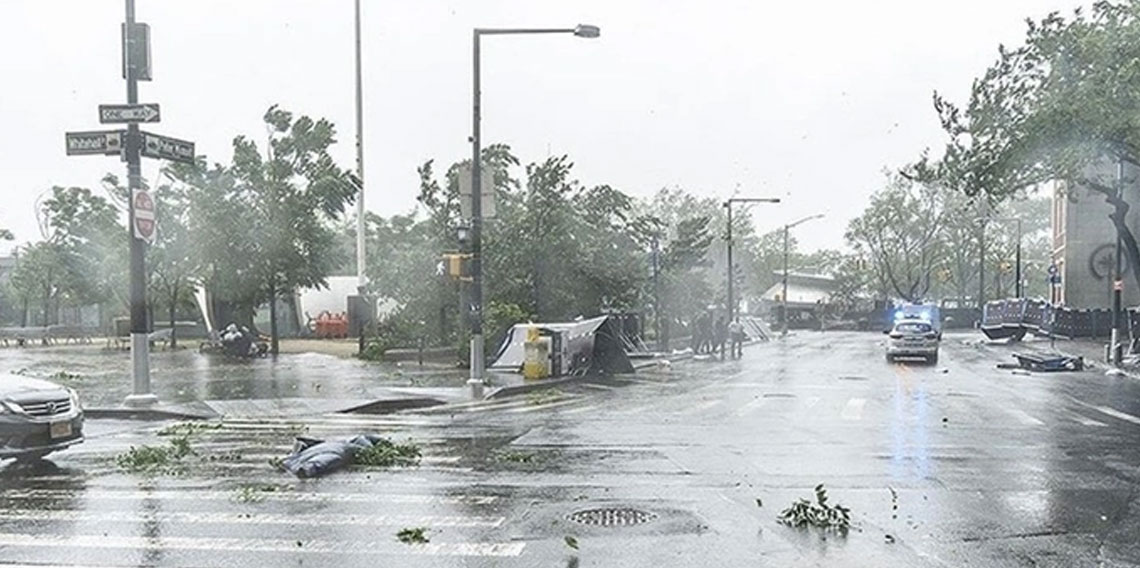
[
  {"x": 282, "y": 238},
  {"x": 1061, "y": 106},
  {"x": 898, "y": 232}
]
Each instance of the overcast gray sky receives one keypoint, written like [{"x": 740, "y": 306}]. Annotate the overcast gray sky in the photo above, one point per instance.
[{"x": 807, "y": 101}]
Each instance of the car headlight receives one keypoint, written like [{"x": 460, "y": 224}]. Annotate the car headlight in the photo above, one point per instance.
[{"x": 74, "y": 399}]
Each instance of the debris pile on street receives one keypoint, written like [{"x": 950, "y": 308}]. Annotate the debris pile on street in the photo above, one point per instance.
[
  {"x": 314, "y": 458},
  {"x": 804, "y": 513}
]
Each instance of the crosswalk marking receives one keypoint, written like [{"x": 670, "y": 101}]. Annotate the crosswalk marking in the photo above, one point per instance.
[
  {"x": 596, "y": 386},
  {"x": 1024, "y": 417},
  {"x": 752, "y": 406},
  {"x": 301, "y": 519},
  {"x": 1118, "y": 414},
  {"x": 1086, "y": 421},
  {"x": 854, "y": 409},
  {"x": 261, "y": 545},
  {"x": 537, "y": 407},
  {"x": 213, "y": 495},
  {"x": 706, "y": 405}
]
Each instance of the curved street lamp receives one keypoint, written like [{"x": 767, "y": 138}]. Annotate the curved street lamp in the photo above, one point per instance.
[
  {"x": 475, "y": 382},
  {"x": 784, "y": 296}
]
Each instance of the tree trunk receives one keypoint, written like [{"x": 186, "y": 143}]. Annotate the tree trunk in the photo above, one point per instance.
[
  {"x": 24, "y": 313},
  {"x": 273, "y": 342}
]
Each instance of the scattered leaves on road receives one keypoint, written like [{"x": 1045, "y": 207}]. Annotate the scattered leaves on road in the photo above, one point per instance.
[
  {"x": 571, "y": 542},
  {"x": 804, "y": 513},
  {"x": 256, "y": 493},
  {"x": 156, "y": 459},
  {"x": 759, "y": 503},
  {"x": 544, "y": 396},
  {"x": 385, "y": 453},
  {"x": 188, "y": 429},
  {"x": 416, "y": 535}
]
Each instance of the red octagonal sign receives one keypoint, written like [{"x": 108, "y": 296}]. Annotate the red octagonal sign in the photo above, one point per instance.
[{"x": 144, "y": 224}]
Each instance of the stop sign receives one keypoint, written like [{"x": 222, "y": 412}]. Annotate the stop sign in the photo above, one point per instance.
[{"x": 143, "y": 208}]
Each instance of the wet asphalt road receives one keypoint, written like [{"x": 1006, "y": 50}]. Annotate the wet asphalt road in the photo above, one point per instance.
[{"x": 960, "y": 464}]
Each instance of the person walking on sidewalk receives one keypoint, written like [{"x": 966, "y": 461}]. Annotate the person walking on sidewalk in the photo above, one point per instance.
[
  {"x": 736, "y": 334},
  {"x": 720, "y": 334},
  {"x": 704, "y": 333}
]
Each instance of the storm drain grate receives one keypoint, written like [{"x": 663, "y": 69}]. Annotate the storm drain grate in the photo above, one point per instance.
[{"x": 612, "y": 517}]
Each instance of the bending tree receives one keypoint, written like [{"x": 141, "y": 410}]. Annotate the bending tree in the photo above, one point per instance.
[{"x": 1061, "y": 107}]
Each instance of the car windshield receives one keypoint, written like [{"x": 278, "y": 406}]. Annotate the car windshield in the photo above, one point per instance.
[
  {"x": 355, "y": 283},
  {"x": 913, "y": 327}
]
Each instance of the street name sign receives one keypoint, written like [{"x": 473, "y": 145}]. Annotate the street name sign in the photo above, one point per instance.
[
  {"x": 147, "y": 112},
  {"x": 99, "y": 142},
  {"x": 166, "y": 148}
]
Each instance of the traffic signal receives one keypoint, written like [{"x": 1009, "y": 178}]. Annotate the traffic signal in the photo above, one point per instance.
[{"x": 457, "y": 266}]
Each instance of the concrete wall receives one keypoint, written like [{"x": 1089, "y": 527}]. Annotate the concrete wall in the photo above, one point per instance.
[{"x": 1084, "y": 241}]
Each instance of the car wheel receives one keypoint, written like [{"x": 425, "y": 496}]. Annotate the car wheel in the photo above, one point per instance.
[
  {"x": 890, "y": 358},
  {"x": 933, "y": 359}
]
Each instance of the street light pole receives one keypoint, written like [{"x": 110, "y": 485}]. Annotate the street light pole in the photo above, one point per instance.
[
  {"x": 1118, "y": 281},
  {"x": 140, "y": 346},
  {"x": 1019, "y": 289},
  {"x": 475, "y": 308},
  {"x": 784, "y": 297},
  {"x": 731, "y": 305},
  {"x": 360, "y": 257}
]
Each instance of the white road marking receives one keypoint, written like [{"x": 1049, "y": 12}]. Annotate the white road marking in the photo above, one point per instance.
[
  {"x": 811, "y": 401},
  {"x": 330, "y": 519},
  {"x": 1118, "y": 414},
  {"x": 752, "y": 406},
  {"x": 197, "y": 494},
  {"x": 538, "y": 407},
  {"x": 854, "y": 409},
  {"x": 1024, "y": 417},
  {"x": 699, "y": 408},
  {"x": 1086, "y": 421},
  {"x": 580, "y": 409},
  {"x": 261, "y": 545},
  {"x": 597, "y": 386}
]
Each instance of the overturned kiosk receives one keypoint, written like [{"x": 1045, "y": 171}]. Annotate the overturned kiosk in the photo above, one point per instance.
[{"x": 595, "y": 346}]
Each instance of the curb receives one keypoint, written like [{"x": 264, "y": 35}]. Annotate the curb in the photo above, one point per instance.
[
  {"x": 154, "y": 413},
  {"x": 390, "y": 405}
]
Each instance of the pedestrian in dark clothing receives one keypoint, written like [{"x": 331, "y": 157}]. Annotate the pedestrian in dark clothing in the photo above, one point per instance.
[
  {"x": 736, "y": 334},
  {"x": 720, "y": 334},
  {"x": 704, "y": 333}
]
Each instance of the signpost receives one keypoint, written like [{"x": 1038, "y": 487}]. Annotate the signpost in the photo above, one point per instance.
[
  {"x": 98, "y": 142},
  {"x": 116, "y": 114},
  {"x": 132, "y": 144}
]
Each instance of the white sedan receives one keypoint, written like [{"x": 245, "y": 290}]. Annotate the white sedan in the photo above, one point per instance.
[{"x": 913, "y": 338}]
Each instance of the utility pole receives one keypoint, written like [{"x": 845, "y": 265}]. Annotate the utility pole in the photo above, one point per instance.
[
  {"x": 140, "y": 346},
  {"x": 360, "y": 257},
  {"x": 662, "y": 346},
  {"x": 1118, "y": 280}
]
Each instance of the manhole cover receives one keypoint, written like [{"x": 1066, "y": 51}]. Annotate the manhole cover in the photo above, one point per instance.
[{"x": 612, "y": 517}]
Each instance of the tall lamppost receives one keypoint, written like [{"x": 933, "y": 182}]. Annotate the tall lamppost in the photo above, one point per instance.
[
  {"x": 784, "y": 295},
  {"x": 731, "y": 306},
  {"x": 475, "y": 382},
  {"x": 1018, "y": 288}
]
